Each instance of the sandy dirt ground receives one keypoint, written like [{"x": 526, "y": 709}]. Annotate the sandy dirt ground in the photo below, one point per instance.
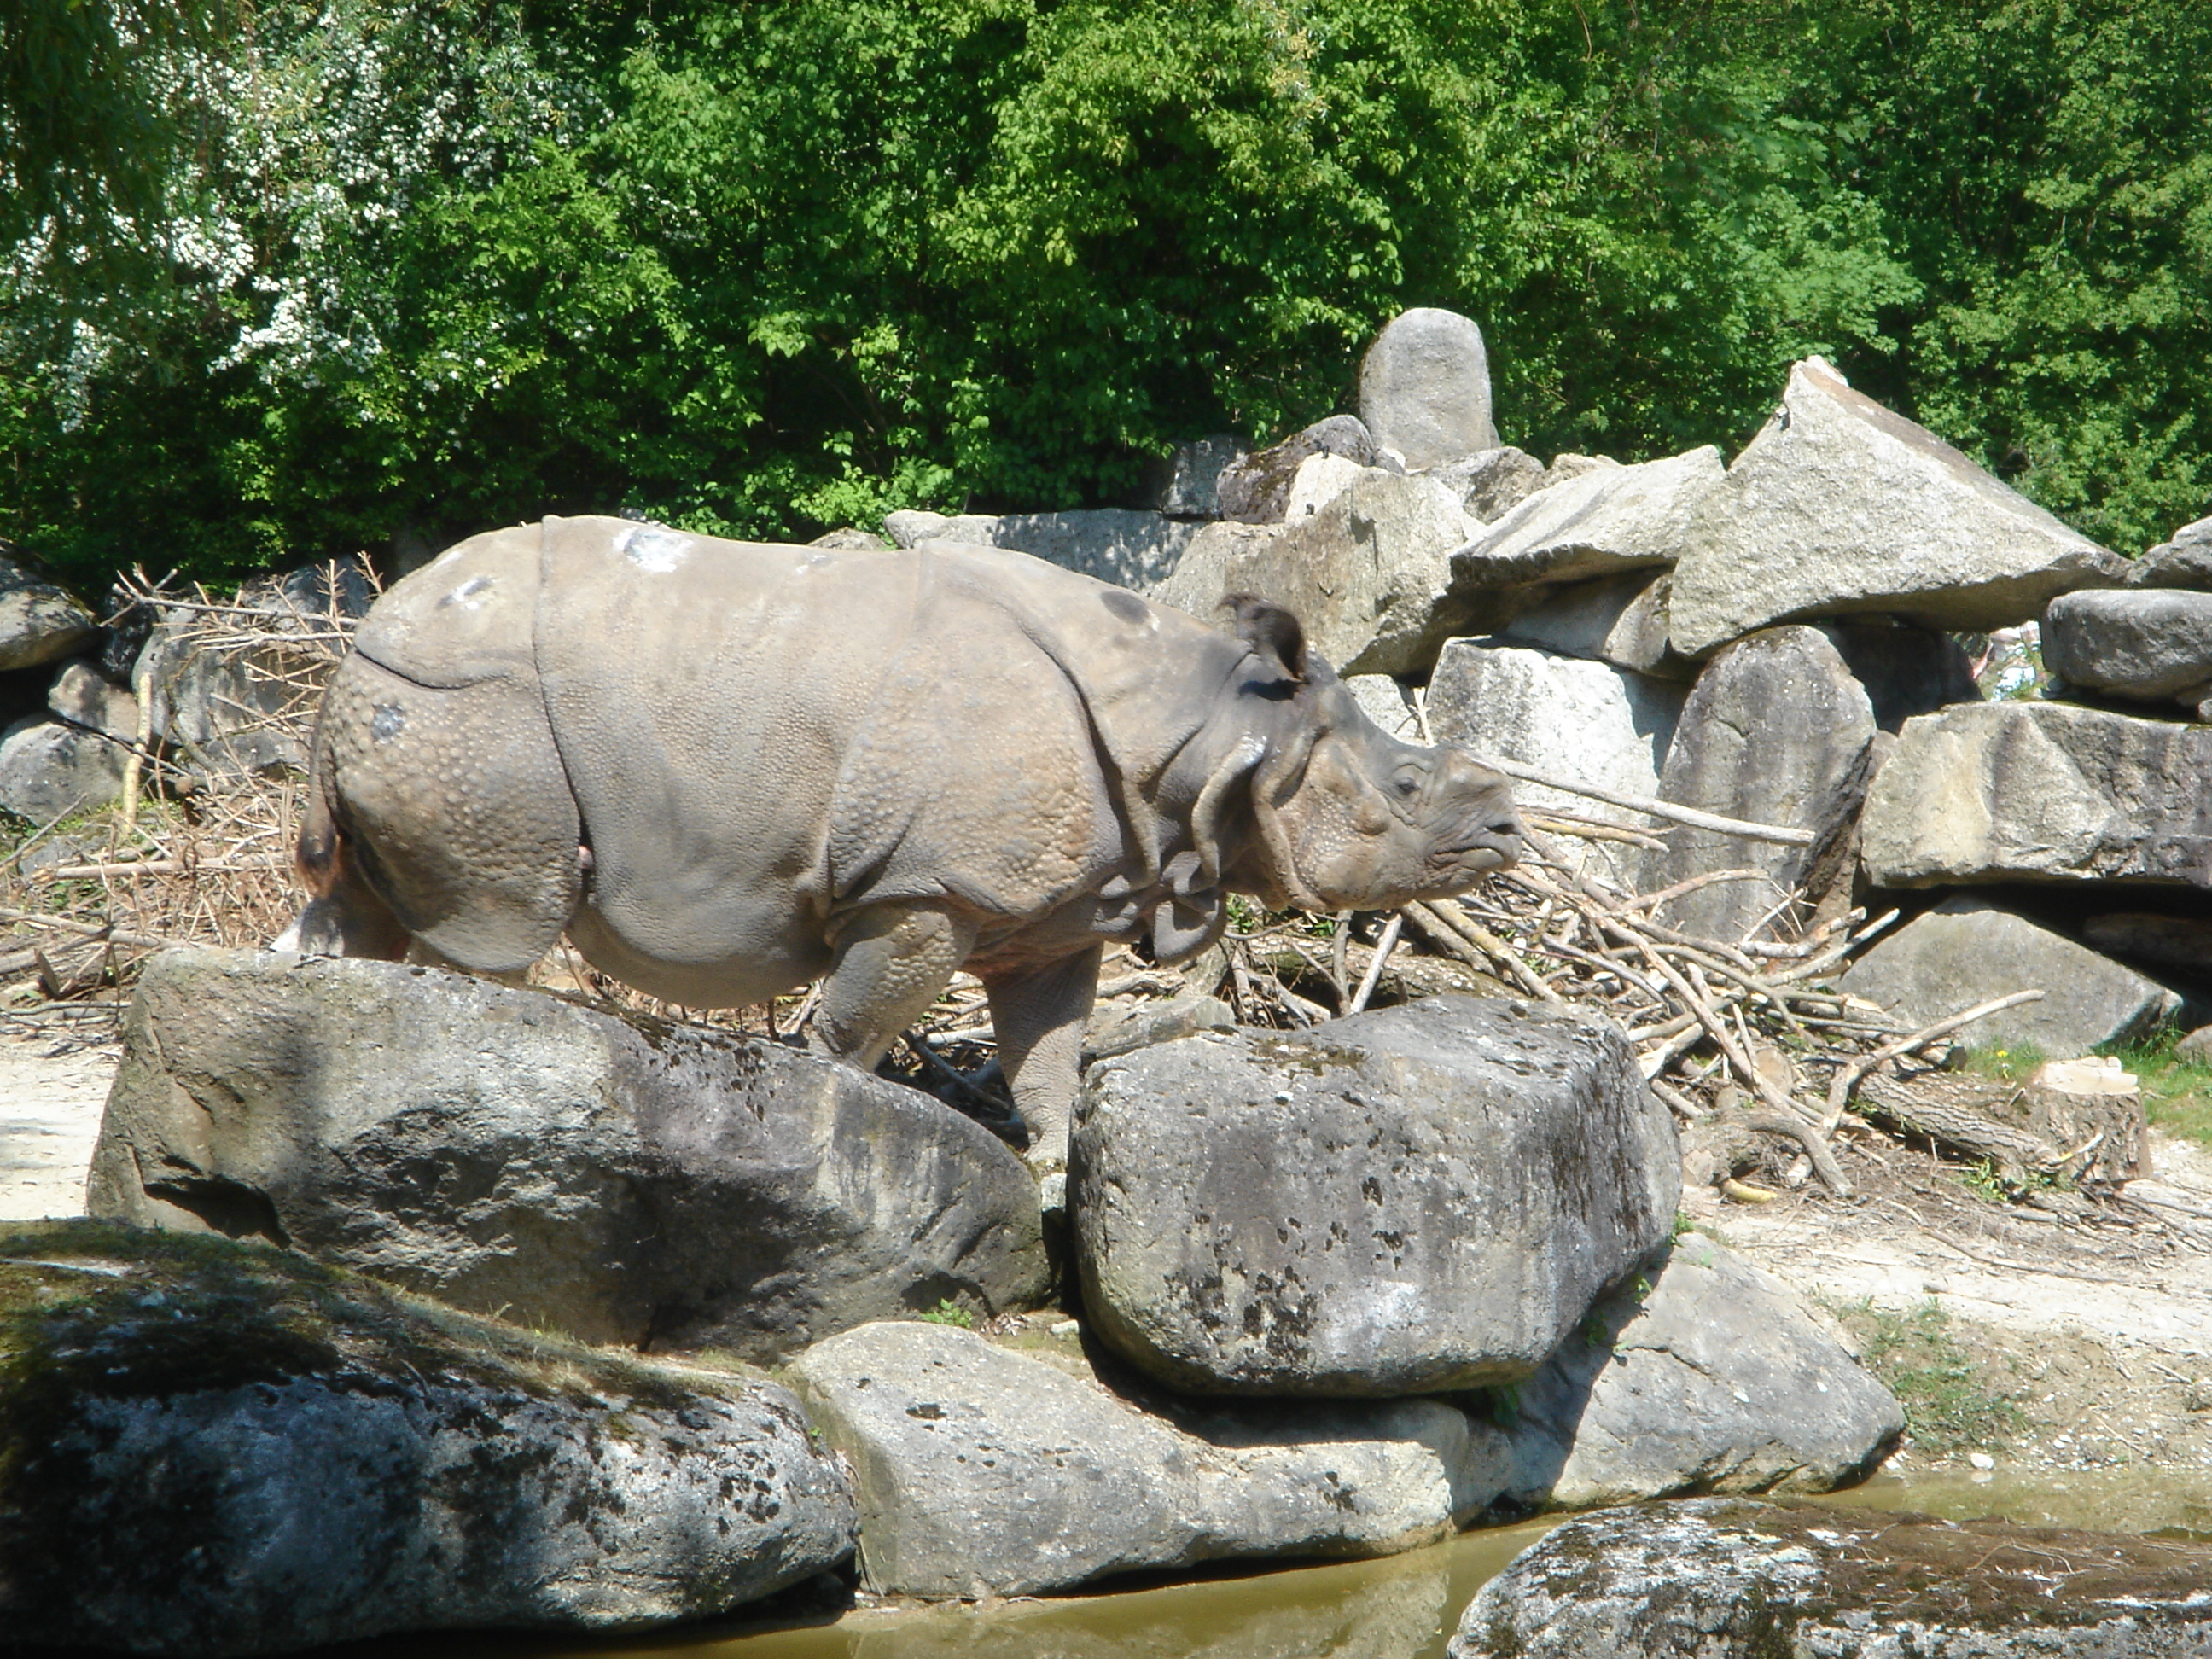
[{"x": 2090, "y": 1321}]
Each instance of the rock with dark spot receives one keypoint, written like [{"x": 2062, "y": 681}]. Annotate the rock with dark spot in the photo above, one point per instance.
[
  {"x": 1492, "y": 483},
  {"x": 1731, "y": 1578},
  {"x": 625, "y": 1182},
  {"x": 1256, "y": 488},
  {"x": 1996, "y": 792},
  {"x": 1416, "y": 1198},
  {"x": 1905, "y": 671},
  {"x": 218, "y": 1448},
  {"x": 985, "y": 1471},
  {"x": 1701, "y": 1375},
  {"x": 2172, "y": 945}
]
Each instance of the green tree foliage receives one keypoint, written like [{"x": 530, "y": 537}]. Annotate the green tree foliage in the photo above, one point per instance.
[{"x": 425, "y": 265}]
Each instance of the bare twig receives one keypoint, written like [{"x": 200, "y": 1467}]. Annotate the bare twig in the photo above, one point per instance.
[
  {"x": 1382, "y": 948},
  {"x": 1847, "y": 1078}
]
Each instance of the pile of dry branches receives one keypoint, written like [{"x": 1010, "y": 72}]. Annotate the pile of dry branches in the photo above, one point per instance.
[{"x": 1748, "y": 1031}]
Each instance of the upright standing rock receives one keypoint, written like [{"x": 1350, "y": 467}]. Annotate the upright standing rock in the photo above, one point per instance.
[
  {"x": 1776, "y": 731},
  {"x": 1421, "y": 1198},
  {"x": 1424, "y": 388},
  {"x": 1585, "y": 722},
  {"x": 1839, "y": 507}
]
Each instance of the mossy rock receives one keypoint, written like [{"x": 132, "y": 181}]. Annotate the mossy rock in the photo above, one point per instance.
[{"x": 211, "y": 1447}]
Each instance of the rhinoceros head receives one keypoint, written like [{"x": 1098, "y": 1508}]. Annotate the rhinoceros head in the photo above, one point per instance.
[{"x": 1350, "y": 818}]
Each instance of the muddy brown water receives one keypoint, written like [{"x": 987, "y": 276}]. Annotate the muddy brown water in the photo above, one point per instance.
[{"x": 1406, "y": 1607}]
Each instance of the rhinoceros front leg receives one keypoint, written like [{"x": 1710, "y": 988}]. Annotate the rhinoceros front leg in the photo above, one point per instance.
[
  {"x": 1040, "y": 1017},
  {"x": 891, "y": 964}
]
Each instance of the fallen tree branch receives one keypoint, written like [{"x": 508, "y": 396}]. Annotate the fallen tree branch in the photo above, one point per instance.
[{"x": 1848, "y": 1078}]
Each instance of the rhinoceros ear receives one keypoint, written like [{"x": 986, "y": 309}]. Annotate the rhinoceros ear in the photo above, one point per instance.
[{"x": 1274, "y": 633}]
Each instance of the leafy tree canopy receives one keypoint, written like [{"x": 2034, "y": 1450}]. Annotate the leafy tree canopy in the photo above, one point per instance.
[{"x": 372, "y": 268}]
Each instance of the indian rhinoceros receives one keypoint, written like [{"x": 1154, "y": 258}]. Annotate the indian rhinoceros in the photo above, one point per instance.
[{"x": 727, "y": 768}]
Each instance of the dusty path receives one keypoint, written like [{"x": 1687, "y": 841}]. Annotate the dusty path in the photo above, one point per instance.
[
  {"x": 53, "y": 1085},
  {"x": 2089, "y": 1327}
]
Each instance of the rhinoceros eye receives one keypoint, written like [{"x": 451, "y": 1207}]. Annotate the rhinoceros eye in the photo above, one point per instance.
[{"x": 1407, "y": 782}]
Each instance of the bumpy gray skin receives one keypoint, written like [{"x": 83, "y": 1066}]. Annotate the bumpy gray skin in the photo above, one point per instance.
[{"x": 728, "y": 769}]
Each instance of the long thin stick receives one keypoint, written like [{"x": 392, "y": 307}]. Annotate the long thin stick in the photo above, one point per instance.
[
  {"x": 1689, "y": 816},
  {"x": 1383, "y": 946},
  {"x": 1840, "y": 1085}
]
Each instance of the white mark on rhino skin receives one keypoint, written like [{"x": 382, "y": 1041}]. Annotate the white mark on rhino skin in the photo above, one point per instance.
[
  {"x": 385, "y": 724},
  {"x": 654, "y": 548},
  {"x": 469, "y": 595}
]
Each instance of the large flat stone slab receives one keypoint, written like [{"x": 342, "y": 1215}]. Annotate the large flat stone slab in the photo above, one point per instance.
[
  {"x": 2040, "y": 791},
  {"x": 1601, "y": 522},
  {"x": 1701, "y": 1375},
  {"x": 984, "y": 1472},
  {"x": 510, "y": 1152},
  {"x": 1839, "y": 507},
  {"x": 1419, "y": 1198},
  {"x": 1965, "y": 952},
  {"x": 219, "y": 1447},
  {"x": 1731, "y": 1578}
]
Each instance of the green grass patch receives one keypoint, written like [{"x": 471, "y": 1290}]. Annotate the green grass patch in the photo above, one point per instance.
[
  {"x": 2176, "y": 1092},
  {"x": 1949, "y": 1403},
  {"x": 949, "y": 1312},
  {"x": 2013, "y": 1064}
]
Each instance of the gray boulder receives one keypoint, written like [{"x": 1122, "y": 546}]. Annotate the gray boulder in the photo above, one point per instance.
[
  {"x": 1621, "y": 620},
  {"x": 983, "y": 1472},
  {"x": 1839, "y": 507},
  {"x": 1256, "y": 489},
  {"x": 501, "y": 1149},
  {"x": 1319, "y": 1212},
  {"x": 2040, "y": 791},
  {"x": 83, "y": 696},
  {"x": 224, "y": 1449},
  {"x": 50, "y": 768},
  {"x": 1703, "y": 1376},
  {"x": 1585, "y": 722},
  {"x": 1424, "y": 388},
  {"x": 2197, "y": 1047},
  {"x": 1366, "y": 574},
  {"x": 2172, "y": 945},
  {"x": 2149, "y": 645},
  {"x": 1388, "y": 704},
  {"x": 1776, "y": 731},
  {"x": 1206, "y": 572},
  {"x": 231, "y": 707},
  {"x": 1598, "y": 522},
  {"x": 1129, "y": 548},
  {"x": 1965, "y": 952},
  {"x": 38, "y": 622},
  {"x": 1732, "y": 1579},
  {"x": 2183, "y": 562},
  {"x": 848, "y": 537},
  {"x": 1193, "y": 489},
  {"x": 1493, "y": 482}
]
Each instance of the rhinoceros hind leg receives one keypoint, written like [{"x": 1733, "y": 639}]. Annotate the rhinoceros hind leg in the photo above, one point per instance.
[
  {"x": 892, "y": 962},
  {"x": 455, "y": 807},
  {"x": 1040, "y": 1018},
  {"x": 349, "y": 919}
]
